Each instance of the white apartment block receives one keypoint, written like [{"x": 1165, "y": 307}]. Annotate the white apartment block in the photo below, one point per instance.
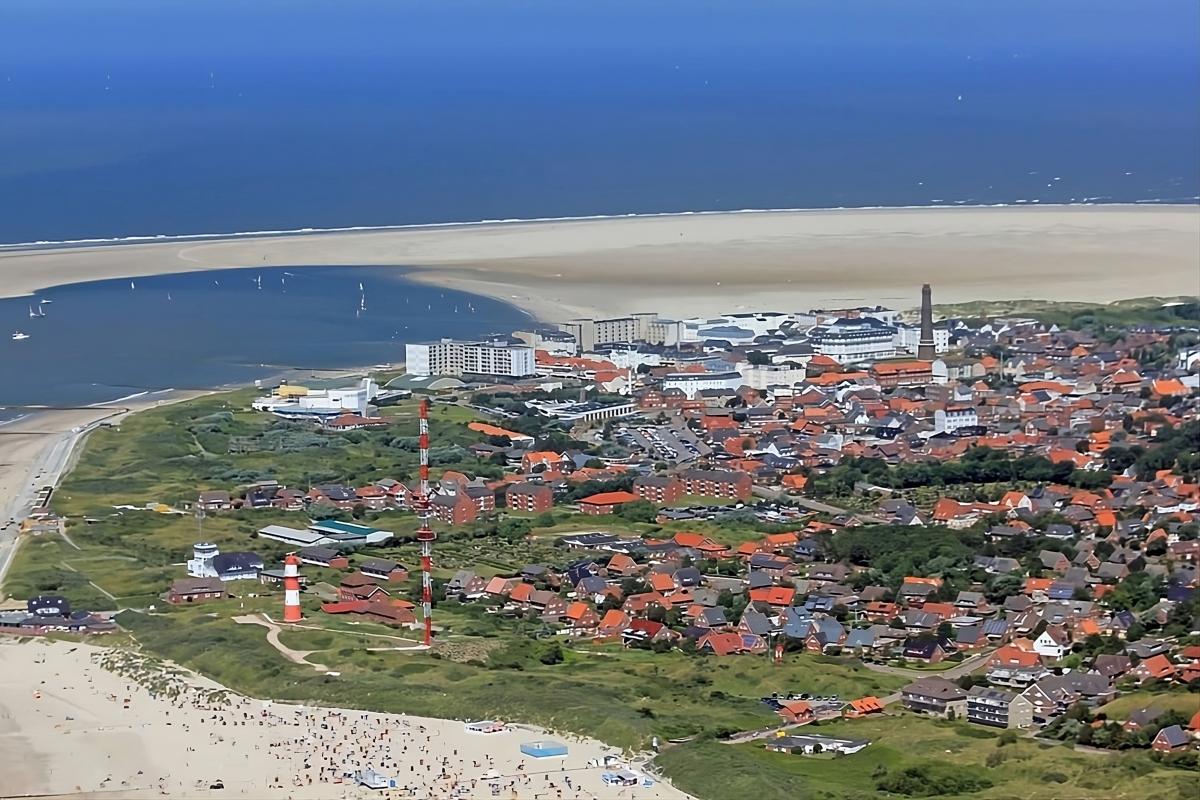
[
  {"x": 450, "y": 357},
  {"x": 909, "y": 336},
  {"x": 643, "y": 327},
  {"x": 767, "y": 375}
]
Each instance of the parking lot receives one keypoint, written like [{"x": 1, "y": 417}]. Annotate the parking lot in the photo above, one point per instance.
[{"x": 664, "y": 443}]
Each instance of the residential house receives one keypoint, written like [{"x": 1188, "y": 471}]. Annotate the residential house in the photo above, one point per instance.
[
  {"x": 606, "y": 503},
  {"x": 935, "y": 696},
  {"x": 1170, "y": 739},
  {"x": 215, "y": 500},
  {"x": 323, "y": 557},
  {"x": 195, "y": 590},
  {"x": 383, "y": 569}
]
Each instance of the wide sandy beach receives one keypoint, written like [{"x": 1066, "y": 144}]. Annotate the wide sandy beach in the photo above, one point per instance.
[
  {"x": 70, "y": 726},
  {"x": 685, "y": 265}
]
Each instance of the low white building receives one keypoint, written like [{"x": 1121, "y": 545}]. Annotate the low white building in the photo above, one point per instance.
[
  {"x": 290, "y": 401},
  {"x": 692, "y": 383},
  {"x": 582, "y": 412},
  {"x": 952, "y": 418}
]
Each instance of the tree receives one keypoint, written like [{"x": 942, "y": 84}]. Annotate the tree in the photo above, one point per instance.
[
  {"x": 549, "y": 652},
  {"x": 758, "y": 358},
  {"x": 638, "y": 511}
]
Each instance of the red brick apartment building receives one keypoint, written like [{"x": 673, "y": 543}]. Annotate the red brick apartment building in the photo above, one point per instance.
[
  {"x": 891, "y": 374},
  {"x": 716, "y": 483},
  {"x": 661, "y": 489},
  {"x": 531, "y": 497}
]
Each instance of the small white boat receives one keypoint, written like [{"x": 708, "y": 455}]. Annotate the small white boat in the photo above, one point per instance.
[
  {"x": 131, "y": 285},
  {"x": 45, "y": 300},
  {"x": 18, "y": 336}
]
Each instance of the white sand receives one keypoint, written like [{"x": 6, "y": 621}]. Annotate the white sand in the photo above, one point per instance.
[
  {"x": 93, "y": 733},
  {"x": 691, "y": 264}
]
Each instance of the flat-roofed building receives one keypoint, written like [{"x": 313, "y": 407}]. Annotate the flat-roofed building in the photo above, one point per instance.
[{"x": 452, "y": 357}]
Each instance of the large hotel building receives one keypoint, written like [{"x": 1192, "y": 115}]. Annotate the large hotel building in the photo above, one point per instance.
[{"x": 450, "y": 357}]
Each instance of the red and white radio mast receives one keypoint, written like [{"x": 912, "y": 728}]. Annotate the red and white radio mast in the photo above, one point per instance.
[{"x": 425, "y": 534}]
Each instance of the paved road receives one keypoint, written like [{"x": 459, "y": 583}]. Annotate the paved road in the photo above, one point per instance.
[
  {"x": 967, "y": 666},
  {"x": 812, "y": 505}
]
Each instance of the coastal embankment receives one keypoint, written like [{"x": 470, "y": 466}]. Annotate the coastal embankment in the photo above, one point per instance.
[{"x": 685, "y": 265}]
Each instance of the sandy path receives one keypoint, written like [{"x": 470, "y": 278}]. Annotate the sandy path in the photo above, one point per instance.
[
  {"x": 69, "y": 726},
  {"x": 691, "y": 264},
  {"x": 273, "y": 630}
]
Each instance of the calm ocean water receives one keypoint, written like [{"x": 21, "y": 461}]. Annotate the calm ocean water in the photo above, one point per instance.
[
  {"x": 108, "y": 339},
  {"x": 133, "y": 117}
]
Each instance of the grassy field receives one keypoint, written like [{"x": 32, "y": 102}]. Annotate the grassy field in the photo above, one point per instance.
[
  {"x": 1124, "y": 313},
  {"x": 1025, "y": 769},
  {"x": 622, "y": 697},
  {"x": 1183, "y": 702},
  {"x": 170, "y": 454}
]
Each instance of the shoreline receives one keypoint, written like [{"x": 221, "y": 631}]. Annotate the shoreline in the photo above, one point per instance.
[
  {"x": 72, "y": 725},
  {"x": 704, "y": 263}
]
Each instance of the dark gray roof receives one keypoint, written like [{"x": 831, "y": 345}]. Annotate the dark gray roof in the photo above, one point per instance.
[{"x": 237, "y": 563}]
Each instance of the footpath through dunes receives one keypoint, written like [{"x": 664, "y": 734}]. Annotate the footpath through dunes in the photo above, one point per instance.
[
  {"x": 689, "y": 264},
  {"x": 83, "y": 721}
]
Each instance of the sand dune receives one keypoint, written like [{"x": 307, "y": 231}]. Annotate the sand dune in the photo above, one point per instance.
[{"x": 690, "y": 264}]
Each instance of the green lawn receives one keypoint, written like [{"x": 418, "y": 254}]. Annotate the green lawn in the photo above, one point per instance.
[
  {"x": 1183, "y": 702},
  {"x": 1028, "y": 770}
]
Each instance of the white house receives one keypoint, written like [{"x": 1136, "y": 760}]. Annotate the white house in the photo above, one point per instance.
[{"x": 1053, "y": 643}]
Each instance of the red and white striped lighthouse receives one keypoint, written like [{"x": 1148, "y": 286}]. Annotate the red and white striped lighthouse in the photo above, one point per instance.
[{"x": 291, "y": 589}]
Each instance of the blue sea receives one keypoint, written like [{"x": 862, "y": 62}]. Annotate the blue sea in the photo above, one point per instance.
[
  {"x": 134, "y": 117},
  {"x": 147, "y": 117},
  {"x": 111, "y": 339}
]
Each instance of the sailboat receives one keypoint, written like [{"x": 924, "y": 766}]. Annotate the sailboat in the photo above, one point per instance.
[
  {"x": 18, "y": 336},
  {"x": 131, "y": 285},
  {"x": 258, "y": 282}
]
